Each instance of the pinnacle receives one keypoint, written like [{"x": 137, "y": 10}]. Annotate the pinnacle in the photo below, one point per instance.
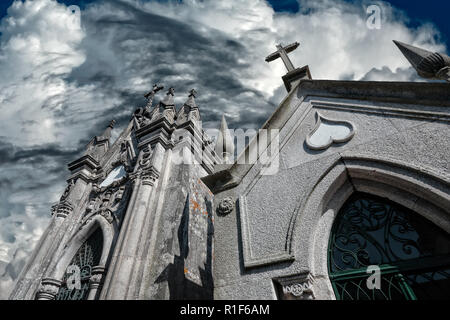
[
  {"x": 225, "y": 144},
  {"x": 168, "y": 100},
  {"x": 191, "y": 99}
]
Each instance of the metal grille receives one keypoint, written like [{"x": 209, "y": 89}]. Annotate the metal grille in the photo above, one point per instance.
[{"x": 87, "y": 257}]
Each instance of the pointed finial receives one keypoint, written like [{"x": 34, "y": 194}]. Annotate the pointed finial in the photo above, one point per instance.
[
  {"x": 191, "y": 99},
  {"x": 152, "y": 93},
  {"x": 192, "y": 93},
  {"x": 224, "y": 144},
  {"x": 168, "y": 100},
  {"x": 427, "y": 64},
  {"x": 107, "y": 133}
]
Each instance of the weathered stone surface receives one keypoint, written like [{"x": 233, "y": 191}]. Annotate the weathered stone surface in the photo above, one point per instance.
[{"x": 177, "y": 230}]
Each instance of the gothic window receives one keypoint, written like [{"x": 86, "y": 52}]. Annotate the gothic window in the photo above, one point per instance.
[
  {"x": 412, "y": 253},
  {"x": 115, "y": 175},
  {"x": 87, "y": 257}
]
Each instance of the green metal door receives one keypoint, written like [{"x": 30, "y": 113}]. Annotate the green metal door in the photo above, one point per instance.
[{"x": 412, "y": 254}]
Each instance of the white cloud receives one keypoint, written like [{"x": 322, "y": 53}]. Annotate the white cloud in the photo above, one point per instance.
[{"x": 62, "y": 77}]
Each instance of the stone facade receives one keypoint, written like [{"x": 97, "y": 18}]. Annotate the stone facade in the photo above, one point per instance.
[
  {"x": 155, "y": 214},
  {"x": 393, "y": 144},
  {"x": 173, "y": 229}
]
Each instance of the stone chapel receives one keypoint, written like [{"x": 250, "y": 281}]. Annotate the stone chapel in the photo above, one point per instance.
[{"x": 344, "y": 180}]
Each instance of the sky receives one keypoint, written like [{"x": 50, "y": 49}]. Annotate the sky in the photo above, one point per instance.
[{"x": 64, "y": 76}]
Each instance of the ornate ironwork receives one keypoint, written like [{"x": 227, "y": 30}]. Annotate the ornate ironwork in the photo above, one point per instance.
[
  {"x": 87, "y": 257},
  {"x": 374, "y": 231}
]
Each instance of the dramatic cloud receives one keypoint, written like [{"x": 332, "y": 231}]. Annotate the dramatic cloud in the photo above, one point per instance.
[{"x": 64, "y": 78}]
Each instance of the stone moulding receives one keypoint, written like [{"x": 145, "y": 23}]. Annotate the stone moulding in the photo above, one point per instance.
[
  {"x": 404, "y": 111},
  {"x": 250, "y": 261},
  {"x": 97, "y": 278},
  {"x": 48, "y": 289},
  {"x": 225, "y": 206},
  {"x": 334, "y": 137}
]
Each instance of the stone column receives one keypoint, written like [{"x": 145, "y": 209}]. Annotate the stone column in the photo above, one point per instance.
[
  {"x": 126, "y": 258},
  {"x": 49, "y": 289},
  {"x": 96, "y": 281}
]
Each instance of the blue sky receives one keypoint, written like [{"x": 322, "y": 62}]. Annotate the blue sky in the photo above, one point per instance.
[
  {"x": 419, "y": 11},
  {"x": 435, "y": 11}
]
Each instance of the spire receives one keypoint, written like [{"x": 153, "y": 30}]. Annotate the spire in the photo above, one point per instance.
[
  {"x": 224, "y": 145},
  {"x": 100, "y": 144},
  {"x": 168, "y": 100},
  {"x": 427, "y": 64},
  {"x": 191, "y": 99},
  {"x": 107, "y": 133}
]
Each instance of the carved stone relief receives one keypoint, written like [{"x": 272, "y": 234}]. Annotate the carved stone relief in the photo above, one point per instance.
[
  {"x": 109, "y": 204},
  {"x": 48, "y": 289}
]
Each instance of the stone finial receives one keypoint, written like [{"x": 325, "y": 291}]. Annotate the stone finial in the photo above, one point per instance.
[
  {"x": 224, "y": 144},
  {"x": 428, "y": 65}
]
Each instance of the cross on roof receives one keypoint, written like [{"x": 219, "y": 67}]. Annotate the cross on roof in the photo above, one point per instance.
[
  {"x": 192, "y": 93},
  {"x": 171, "y": 91},
  {"x": 282, "y": 53}
]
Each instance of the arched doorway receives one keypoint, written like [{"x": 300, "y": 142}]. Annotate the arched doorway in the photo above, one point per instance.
[
  {"x": 412, "y": 253},
  {"x": 87, "y": 257}
]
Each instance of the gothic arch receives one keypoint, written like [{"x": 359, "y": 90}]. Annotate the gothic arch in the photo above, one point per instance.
[
  {"x": 422, "y": 192},
  {"x": 51, "y": 284}
]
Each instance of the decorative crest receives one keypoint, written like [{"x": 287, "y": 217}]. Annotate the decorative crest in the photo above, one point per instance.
[
  {"x": 152, "y": 93},
  {"x": 192, "y": 93},
  {"x": 282, "y": 53},
  {"x": 428, "y": 65}
]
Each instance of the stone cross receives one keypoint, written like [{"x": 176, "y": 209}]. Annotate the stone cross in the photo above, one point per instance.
[
  {"x": 282, "y": 53},
  {"x": 192, "y": 93},
  {"x": 171, "y": 91}
]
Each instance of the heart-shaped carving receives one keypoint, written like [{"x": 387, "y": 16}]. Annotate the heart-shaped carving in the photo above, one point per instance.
[{"x": 327, "y": 131}]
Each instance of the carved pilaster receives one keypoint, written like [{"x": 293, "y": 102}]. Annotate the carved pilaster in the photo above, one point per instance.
[
  {"x": 62, "y": 209},
  {"x": 97, "y": 277},
  {"x": 149, "y": 176},
  {"x": 298, "y": 287},
  {"x": 48, "y": 289},
  {"x": 225, "y": 206}
]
